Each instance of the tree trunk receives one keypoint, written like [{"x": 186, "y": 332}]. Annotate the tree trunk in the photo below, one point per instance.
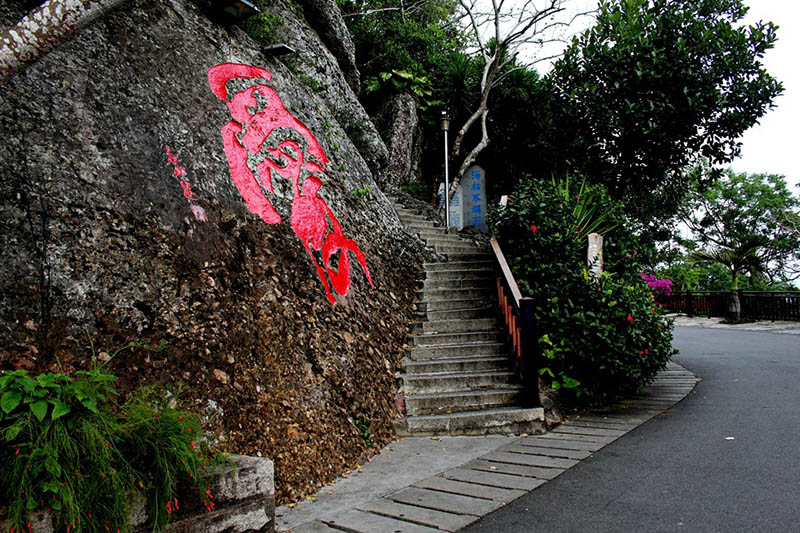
[
  {"x": 45, "y": 27},
  {"x": 734, "y": 307}
]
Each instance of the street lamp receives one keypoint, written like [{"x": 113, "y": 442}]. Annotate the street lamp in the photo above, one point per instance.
[{"x": 444, "y": 122}]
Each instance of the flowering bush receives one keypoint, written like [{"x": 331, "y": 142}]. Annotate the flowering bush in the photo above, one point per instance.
[
  {"x": 599, "y": 338},
  {"x": 662, "y": 287}
]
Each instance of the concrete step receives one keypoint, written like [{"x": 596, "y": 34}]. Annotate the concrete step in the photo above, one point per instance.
[
  {"x": 486, "y": 262},
  {"x": 426, "y": 225},
  {"x": 450, "y": 351},
  {"x": 457, "y": 364},
  {"x": 432, "y": 232},
  {"x": 457, "y": 381},
  {"x": 454, "y": 249},
  {"x": 413, "y": 218},
  {"x": 455, "y": 402},
  {"x": 465, "y": 314},
  {"x": 465, "y": 273},
  {"x": 457, "y": 325},
  {"x": 438, "y": 339},
  {"x": 503, "y": 420},
  {"x": 454, "y": 283},
  {"x": 429, "y": 295},
  {"x": 427, "y": 306},
  {"x": 448, "y": 240},
  {"x": 469, "y": 257}
]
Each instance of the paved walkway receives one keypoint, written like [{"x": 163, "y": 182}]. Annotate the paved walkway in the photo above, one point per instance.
[
  {"x": 426, "y": 484},
  {"x": 777, "y": 326},
  {"x": 722, "y": 460}
]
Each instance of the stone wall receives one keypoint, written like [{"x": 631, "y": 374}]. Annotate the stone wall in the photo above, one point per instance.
[
  {"x": 244, "y": 496},
  {"x": 100, "y": 237}
]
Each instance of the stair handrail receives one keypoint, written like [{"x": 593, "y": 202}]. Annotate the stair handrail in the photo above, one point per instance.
[{"x": 518, "y": 314}]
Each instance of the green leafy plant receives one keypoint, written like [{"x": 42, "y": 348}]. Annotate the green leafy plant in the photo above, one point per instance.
[
  {"x": 403, "y": 80},
  {"x": 599, "y": 338},
  {"x": 360, "y": 194},
  {"x": 365, "y": 432},
  {"x": 68, "y": 447},
  {"x": 262, "y": 28}
]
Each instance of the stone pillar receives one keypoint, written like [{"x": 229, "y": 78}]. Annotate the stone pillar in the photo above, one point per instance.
[
  {"x": 456, "y": 207},
  {"x": 474, "y": 190},
  {"x": 594, "y": 256}
]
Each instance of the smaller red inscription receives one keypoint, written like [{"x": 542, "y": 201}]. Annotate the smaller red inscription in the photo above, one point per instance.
[{"x": 198, "y": 212}]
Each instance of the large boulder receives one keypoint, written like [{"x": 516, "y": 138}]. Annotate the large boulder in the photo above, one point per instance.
[
  {"x": 102, "y": 235},
  {"x": 329, "y": 24},
  {"x": 316, "y": 67},
  {"x": 398, "y": 123}
]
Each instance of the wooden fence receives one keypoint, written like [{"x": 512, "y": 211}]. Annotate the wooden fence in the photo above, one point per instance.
[{"x": 756, "y": 305}]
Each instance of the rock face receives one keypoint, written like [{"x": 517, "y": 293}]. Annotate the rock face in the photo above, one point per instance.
[
  {"x": 398, "y": 123},
  {"x": 105, "y": 232},
  {"x": 316, "y": 67},
  {"x": 329, "y": 23}
]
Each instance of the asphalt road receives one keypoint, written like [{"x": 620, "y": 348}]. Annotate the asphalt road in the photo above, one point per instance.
[{"x": 726, "y": 458}]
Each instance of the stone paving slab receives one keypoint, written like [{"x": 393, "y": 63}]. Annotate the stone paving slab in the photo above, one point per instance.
[
  {"x": 578, "y": 430},
  {"x": 579, "y": 438},
  {"x": 605, "y": 424},
  {"x": 444, "y": 501},
  {"x": 494, "y": 479},
  {"x": 561, "y": 444},
  {"x": 316, "y": 526},
  {"x": 615, "y": 419},
  {"x": 513, "y": 469},
  {"x": 360, "y": 522},
  {"x": 469, "y": 489},
  {"x": 419, "y": 515},
  {"x": 550, "y": 452},
  {"x": 490, "y": 478},
  {"x": 530, "y": 460}
]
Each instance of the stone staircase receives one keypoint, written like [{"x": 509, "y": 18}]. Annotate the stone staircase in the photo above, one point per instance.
[{"x": 457, "y": 377}]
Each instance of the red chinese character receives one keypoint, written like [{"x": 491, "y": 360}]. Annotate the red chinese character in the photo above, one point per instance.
[{"x": 258, "y": 115}]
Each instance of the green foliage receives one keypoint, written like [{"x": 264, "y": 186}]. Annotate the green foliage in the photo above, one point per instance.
[
  {"x": 365, "y": 432},
  {"x": 402, "y": 80},
  {"x": 747, "y": 222},
  {"x": 360, "y": 194},
  {"x": 263, "y": 27},
  {"x": 393, "y": 35},
  {"x": 655, "y": 85},
  {"x": 65, "y": 445},
  {"x": 417, "y": 190},
  {"x": 599, "y": 338}
]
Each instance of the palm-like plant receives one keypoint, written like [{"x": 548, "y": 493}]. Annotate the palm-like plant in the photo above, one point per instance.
[{"x": 739, "y": 258}]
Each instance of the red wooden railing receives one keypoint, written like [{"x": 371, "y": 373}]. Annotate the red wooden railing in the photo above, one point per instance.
[{"x": 517, "y": 313}]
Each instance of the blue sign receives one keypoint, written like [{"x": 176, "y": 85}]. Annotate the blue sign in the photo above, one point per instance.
[{"x": 474, "y": 207}]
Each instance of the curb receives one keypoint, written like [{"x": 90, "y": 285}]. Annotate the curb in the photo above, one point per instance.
[{"x": 460, "y": 496}]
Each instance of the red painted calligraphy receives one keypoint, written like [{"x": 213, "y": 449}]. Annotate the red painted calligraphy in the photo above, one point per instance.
[
  {"x": 256, "y": 136},
  {"x": 178, "y": 171}
]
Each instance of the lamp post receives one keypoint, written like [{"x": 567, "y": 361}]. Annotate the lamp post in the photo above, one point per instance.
[{"x": 444, "y": 122}]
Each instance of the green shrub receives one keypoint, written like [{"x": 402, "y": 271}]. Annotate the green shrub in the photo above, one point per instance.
[
  {"x": 66, "y": 446},
  {"x": 263, "y": 27},
  {"x": 599, "y": 338}
]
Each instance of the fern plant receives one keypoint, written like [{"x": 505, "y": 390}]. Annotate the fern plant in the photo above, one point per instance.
[{"x": 66, "y": 446}]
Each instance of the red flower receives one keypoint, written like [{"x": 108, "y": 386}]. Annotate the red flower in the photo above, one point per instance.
[
  {"x": 533, "y": 229},
  {"x": 641, "y": 352},
  {"x": 646, "y": 352},
  {"x": 629, "y": 319}
]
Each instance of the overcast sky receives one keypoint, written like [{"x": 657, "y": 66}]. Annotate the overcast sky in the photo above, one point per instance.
[{"x": 773, "y": 145}]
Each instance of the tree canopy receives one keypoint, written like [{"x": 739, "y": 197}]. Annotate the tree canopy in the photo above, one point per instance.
[
  {"x": 654, "y": 86},
  {"x": 748, "y": 221}
]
